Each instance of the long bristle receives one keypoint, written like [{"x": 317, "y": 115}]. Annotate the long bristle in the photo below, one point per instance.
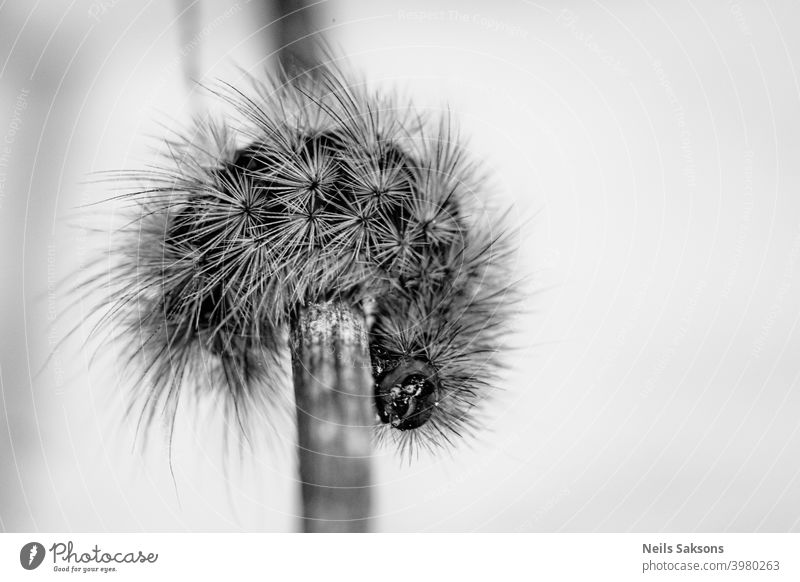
[{"x": 319, "y": 190}]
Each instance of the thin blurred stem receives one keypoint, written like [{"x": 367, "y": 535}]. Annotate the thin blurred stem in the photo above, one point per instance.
[
  {"x": 295, "y": 34},
  {"x": 189, "y": 16},
  {"x": 334, "y": 401}
]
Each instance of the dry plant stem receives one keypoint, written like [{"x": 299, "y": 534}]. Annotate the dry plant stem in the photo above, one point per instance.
[{"x": 335, "y": 414}]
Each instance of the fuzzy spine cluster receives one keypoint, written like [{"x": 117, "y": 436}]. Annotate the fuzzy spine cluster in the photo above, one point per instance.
[{"x": 322, "y": 190}]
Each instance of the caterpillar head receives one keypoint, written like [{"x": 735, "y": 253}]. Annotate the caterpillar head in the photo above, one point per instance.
[
  {"x": 324, "y": 191},
  {"x": 406, "y": 390}
]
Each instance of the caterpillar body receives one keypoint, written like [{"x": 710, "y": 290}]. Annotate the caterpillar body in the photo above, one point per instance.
[{"x": 323, "y": 190}]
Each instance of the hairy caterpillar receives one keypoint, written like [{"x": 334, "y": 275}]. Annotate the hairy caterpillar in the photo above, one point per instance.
[{"x": 323, "y": 191}]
